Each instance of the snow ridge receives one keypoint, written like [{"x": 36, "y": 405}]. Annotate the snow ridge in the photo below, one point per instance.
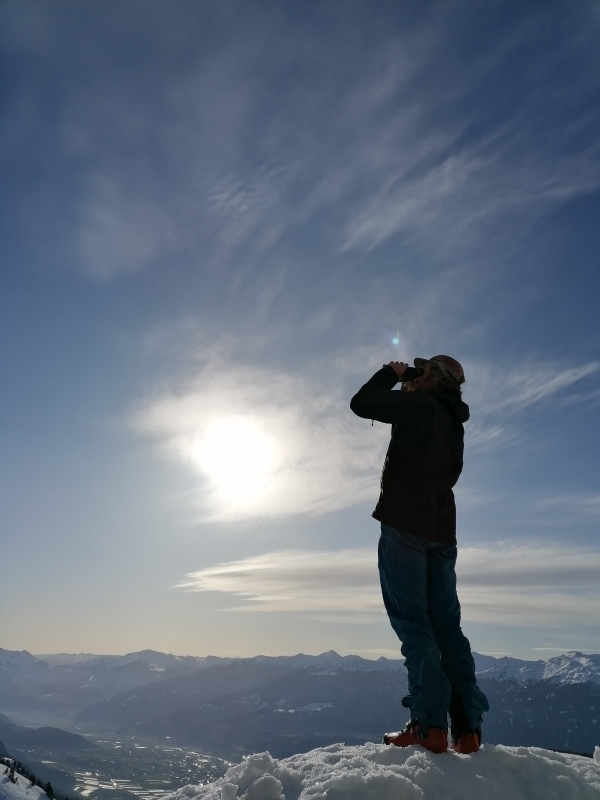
[
  {"x": 572, "y": 667},
  {"x": 22, "y": 789}
]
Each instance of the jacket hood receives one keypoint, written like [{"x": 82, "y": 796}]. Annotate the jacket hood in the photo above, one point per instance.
[{"x": 454, "y": 404}]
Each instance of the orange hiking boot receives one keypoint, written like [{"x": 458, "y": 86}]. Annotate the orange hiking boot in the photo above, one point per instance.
[
  {"x": 467, "y": 742},
  {"x": 433, "y": 739}
]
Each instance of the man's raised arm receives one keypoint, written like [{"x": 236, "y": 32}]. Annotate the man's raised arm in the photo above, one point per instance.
[{"x": 375, "y": 400}]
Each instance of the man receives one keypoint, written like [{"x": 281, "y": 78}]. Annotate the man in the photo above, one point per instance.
[{"x": 417, "y": 548}]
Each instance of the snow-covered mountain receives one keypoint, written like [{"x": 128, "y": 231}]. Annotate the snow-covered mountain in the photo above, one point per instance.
[
  {"x": 59, "y": 659},
  {"x": 20, "y": 790},
  {"x": 156, "y": 661},
  {"x": 380, "y": 772},
  {"x": 19, "y": 659},
  {"x": 145, "y": 666},
  {"x": 19, "y": 669},
  {"x": 54, "y": 692},
  {"x": 506, "y": 668},
  {"x": 286, "y": 704},
  {"x": 330, "y": 662},
  {"x": 572, "y": 667}
]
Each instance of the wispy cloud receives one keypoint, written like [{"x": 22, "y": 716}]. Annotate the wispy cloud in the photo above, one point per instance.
[
  {"x": 576, "y": 504},
  {"x": 215, "y": 157},
  {"x": 529, "y": 567},
  {"x": 122, "y": 227},
  {"x": 294, "y": 580},
  {"x": 496, "y": 392},
  {"x": 467, "y": 497},
  {"x": 521, "y": 585},
  {"x": 534, "y": 584},
  {"x": 496, "y": 395},
  {"x": 456, "y": 200}
]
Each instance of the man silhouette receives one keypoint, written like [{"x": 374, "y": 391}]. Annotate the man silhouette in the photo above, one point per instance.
[{"x": 417, "y": 548}]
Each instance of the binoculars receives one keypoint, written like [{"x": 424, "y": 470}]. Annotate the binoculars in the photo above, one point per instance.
[
  {"x": 416, "y": 371},
  {"x": 411, "y": 373}
]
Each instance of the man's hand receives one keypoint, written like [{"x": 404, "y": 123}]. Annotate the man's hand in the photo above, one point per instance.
[{"x": 399, "y": 367}]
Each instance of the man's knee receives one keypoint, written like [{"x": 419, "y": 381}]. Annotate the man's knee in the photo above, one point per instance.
[{"x": 447, "y": 626}]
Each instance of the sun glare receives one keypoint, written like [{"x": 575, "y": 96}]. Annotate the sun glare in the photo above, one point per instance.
[{"x": 238, "y": 456}]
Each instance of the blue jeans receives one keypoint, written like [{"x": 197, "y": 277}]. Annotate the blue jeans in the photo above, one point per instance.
[{"x": 418, "y": 581}]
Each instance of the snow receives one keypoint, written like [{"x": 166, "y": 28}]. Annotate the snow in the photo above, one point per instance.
[
  {"x": 21, "y": 790},
  {"x": 331, "y": 663},
  {"x": 383, "y": 772},
  {"x": 572, "y": 667},
  {"x": 506, "y": 668}
]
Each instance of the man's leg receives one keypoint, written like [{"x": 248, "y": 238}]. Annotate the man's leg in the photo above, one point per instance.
[
  {"x": 457, "y": 660},
  {"x": 403, "y": 574}
]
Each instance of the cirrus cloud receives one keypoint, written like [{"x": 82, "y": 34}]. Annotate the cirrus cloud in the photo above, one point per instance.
[{"x": 520, "y": 585}]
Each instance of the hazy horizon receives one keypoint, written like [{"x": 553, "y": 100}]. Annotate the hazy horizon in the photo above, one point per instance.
[{"x": 398, "y": 656}]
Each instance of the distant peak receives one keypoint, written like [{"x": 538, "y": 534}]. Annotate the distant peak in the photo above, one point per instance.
[{"x": 330, "y": 654}]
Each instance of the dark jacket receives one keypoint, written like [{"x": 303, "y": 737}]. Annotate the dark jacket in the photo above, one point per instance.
[{"x": 424, "y": 458}]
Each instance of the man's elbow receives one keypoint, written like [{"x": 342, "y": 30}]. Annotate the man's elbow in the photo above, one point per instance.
[{"x": 357, "y": 407}]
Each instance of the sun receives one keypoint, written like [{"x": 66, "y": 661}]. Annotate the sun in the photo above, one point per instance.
[{"x": 238, "y": 456}]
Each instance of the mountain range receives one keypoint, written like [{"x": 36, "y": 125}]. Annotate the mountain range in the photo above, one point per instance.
[
  {"x": 287, "y": 704},
  {"x": 571, "y": 667}
]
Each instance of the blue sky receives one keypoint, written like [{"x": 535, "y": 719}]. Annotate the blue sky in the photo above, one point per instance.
[{"x": 215, "y": 220}]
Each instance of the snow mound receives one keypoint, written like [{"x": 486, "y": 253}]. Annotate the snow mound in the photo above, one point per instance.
[{"x": 381, "y": 772}]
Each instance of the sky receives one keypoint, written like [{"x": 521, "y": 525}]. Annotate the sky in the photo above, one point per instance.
[{"x": 217, "y": 221}]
